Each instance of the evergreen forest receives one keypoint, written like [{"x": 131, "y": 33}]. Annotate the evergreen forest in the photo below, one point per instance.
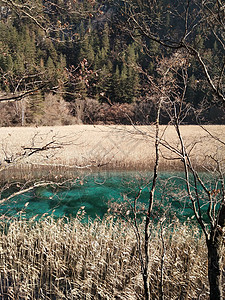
[{"x": 78, "y": 62}]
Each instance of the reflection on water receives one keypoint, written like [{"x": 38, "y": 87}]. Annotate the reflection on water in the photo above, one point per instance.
[{"x": 96, "y": 192}]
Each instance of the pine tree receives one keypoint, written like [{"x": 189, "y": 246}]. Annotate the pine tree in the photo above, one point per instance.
[
  {"x": 29, "y": 50},
  {"x": 9, "y": 63},
  {"x": 105, "y": 38},
  {"x": 34, "y": 111},
  {"x": 50, "y": 66},
  {"x": 116, "y": 85},
  {"x": 86, "y": 50},
  {"x": 19, "y": 64}
]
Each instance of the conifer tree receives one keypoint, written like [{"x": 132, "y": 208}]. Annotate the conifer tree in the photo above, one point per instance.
[
  {"x": 34, "y": 111},
  {"x": 116, "y": 85},
  {"x": 105, "y": 38}
]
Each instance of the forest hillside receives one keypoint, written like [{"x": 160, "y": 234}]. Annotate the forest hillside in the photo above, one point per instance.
[{"x": 71, "y": 62}]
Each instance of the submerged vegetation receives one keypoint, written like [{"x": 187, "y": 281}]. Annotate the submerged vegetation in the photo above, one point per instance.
[{"x": 69, "y": 259}]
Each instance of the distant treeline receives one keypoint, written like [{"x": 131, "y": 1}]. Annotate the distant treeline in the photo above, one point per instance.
[{"x": 90, "y": 60}]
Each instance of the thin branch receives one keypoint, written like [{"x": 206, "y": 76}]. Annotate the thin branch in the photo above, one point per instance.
[
  {"x": 150, "y": 205},
  {"x": 212, "y": 135},
  {"x": 186, "y": 171},
  {"x": 23, "y": 95},
  {"x": 23, "y": 191}
]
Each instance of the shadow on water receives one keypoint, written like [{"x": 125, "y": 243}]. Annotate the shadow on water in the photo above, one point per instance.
[{"x": 98, "y": 192}]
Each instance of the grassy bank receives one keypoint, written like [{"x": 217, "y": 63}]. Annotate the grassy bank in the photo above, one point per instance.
[
  {"x": 112, "y": 147},
  {"x": 70, "y": 260}
]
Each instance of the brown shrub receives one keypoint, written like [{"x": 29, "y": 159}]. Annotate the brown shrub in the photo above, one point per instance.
[
  {"x": 10, "y": 114},
  {"x": 104, "y": 113},
  {"x": 37, "y": 110},
  {"x": 56, "y": 112}
]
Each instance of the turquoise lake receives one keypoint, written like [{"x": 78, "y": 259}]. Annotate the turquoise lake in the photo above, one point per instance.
[{"x": 96, "y": 192}]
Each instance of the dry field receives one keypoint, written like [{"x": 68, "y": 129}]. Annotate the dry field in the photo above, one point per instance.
[{"x": 82, "y": 146}]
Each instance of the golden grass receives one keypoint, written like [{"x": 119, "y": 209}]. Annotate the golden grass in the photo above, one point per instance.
[
  {"x": 67, "y": 259},
  {"x": 127, "y": 147}
]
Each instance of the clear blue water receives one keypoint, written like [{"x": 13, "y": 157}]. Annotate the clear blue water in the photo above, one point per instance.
[{"x": 97, "y": 192}]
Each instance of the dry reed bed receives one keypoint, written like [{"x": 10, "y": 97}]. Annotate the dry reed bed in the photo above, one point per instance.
[
  {"x": 64, "y": 259},
  {"x": 110, "y": 146}
]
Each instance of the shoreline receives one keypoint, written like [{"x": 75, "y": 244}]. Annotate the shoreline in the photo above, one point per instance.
[{"x": 107, "y": 147}]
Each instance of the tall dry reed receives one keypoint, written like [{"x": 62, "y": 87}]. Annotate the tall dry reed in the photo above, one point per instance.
[{"x": 69, "y": 259}]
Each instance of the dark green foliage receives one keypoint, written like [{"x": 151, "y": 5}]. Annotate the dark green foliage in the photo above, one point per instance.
[{"x": 31, "y": 58}]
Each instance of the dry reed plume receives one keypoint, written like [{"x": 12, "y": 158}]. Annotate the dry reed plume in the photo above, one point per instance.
[{"x": 67, "y": 259}]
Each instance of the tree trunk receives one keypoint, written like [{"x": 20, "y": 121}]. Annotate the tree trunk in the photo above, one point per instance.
[{"x": 215, "y": 266}]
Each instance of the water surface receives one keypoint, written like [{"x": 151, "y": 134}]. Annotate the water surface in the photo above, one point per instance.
[{"x": 97, "y": 192}]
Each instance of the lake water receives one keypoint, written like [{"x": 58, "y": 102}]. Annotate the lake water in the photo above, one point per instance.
[{"x": 96, "y": 192}]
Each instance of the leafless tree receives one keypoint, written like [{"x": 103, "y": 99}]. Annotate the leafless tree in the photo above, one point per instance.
[{"x": 172, "y": 101}]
